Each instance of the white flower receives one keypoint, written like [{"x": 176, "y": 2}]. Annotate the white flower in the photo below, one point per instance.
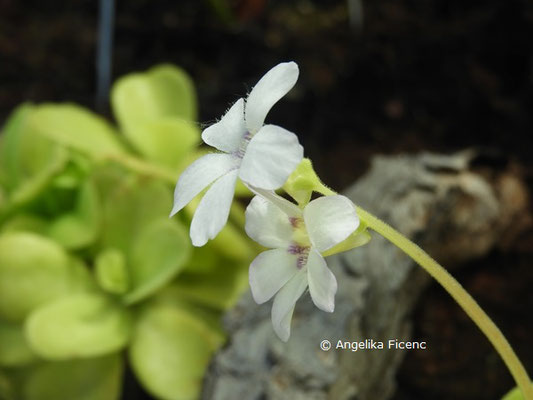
[
  {"x": 298, "y": 238},
  {"x": 261, "y": 155}
]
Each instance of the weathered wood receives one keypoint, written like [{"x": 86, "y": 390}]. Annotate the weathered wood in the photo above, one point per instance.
[{"x": 452, "y": 209}]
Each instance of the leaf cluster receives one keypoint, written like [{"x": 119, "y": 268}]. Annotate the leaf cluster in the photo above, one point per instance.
[{"x": 93, "y": 273}]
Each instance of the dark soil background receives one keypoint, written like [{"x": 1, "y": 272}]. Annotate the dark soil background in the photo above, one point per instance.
[{"x": 437, "y": 75}]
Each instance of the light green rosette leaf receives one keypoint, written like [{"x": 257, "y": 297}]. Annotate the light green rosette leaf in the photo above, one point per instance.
[
  {"x": 14, "y": 350},
  {"x": 29, "y": 190},
  {"x": 86, "y": 379},
  {"x": 75, "y": 173},
  {"x": 33, "y": 271},
  {"x": 129, "y": 204},
  {"x": 111, "y": 271},
  {"x": 171, "y": 296},
  {"x": 166, "y": 141},
  {"x": 23, "y": 153},
  {"x": 82, "y": 325},
  {"x": 219, "y": 289},
  {"x": 203, "y": 259},
  {"x": 155, "y": 110},
  {"x": 136, "y": 224},
  {"x": 160, "y": 251},
  {"x": 25, "y": 223},
  {"x": 232, "y": 243},
  {"x": 170, "y": 351},
  {"x": 79, "y": 228},
  {"x": 162, "y": 91},
  {"x": 76, "y": 128},
  {"x": 28, "y": 161}
]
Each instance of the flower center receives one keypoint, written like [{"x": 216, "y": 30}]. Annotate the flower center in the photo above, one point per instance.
[
  {"x": 300, "y": 244},
  {"x": 302, "y": 252},
  {"x": 239, "y": 153}
]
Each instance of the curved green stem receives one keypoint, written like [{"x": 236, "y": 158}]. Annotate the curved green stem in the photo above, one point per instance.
[
  {"x": 454, "y": 288},
  {"x": 460, "y": 295}
]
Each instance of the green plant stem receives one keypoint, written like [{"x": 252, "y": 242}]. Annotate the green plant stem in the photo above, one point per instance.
[
  {"x": 461, "y": 296},
  {"x": 454, "y": 288}
]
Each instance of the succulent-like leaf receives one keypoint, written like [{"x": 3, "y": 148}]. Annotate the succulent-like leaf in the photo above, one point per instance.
[
  {"x": 79, "y": 228},
  {"x": 155, "y": 110},
  {"x": 219, "y": 289},
  {"x": 111, "y": 271},
  {"x": 163, "y": 91},
  {"x": 81, "y": 325},
  {"x": 170, "y": 351},
  {"x": 203, "y": 259},
  {"x": 232, "y": 243},
  {"x": 77, "y": 128},
  {"x": 21, "y": 222},
  {"x": 85, "y": 379},
  {"x": 31, "y": 188},
  {"x": 166, "y": 141},
  {"x": 129, "y": 204},
  {"x": 136, "y": 224},
  {"x": 24, "y": 153},
  {"x": 160, "y": 251},
  {"x": 14, "y": 350},
  {"x": 172, "y": 296},
  {"x": 33, "y": 271}
]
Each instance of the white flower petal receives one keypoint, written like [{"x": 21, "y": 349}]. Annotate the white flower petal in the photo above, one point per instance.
[
  {"x": 213, "y": 210},
  {"x": 226, "y": 134},
  {"x": 271, "y": 87},
  {"x": 284, "y": 302},
  {"x": 271, "y": 156},
  {"x": 198, "y": 176},
  {"x": 269, "y": 271},
  {"x": 329, "y": 220},
  {"x": 322, "y": 282},
  {"x": 284, "y": 205},
  {"x": 267, "y": 224}
]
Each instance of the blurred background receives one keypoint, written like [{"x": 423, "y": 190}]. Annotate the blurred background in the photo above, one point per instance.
[{"x": 376, "y": 77}]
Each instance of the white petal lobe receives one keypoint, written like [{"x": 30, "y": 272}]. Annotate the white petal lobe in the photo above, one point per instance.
[
  {"x": 269, "y": 271},
  {"x": 271, "y": 87},
  {"x": 267, "y": 224},
  {"x": 198, "y": 176},
  {"x": 322, "y": 282},
  {"x": 271, "y": 156},
  {"x": 284, "y": 303},
  {"x": 329, "y": 220},
  {"x": 226, "y": 134},
  {"x": 213, "y": 211}
]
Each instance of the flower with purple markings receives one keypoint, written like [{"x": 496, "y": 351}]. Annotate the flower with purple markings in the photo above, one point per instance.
[
  {"x": 298, "y": 237},
  {"x": 262, "y": 156}
]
